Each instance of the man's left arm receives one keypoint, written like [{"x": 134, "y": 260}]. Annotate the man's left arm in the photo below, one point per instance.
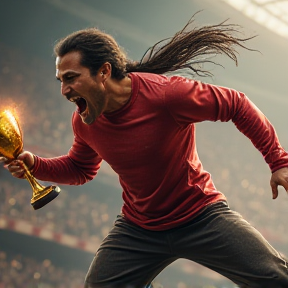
[{"x": 194, "y": 101}]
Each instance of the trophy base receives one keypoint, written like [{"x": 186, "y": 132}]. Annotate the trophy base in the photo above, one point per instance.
[{"x": 44, "y": 197}]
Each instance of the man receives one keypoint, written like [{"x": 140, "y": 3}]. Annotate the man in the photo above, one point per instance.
[{"x": 143, "y": 124}]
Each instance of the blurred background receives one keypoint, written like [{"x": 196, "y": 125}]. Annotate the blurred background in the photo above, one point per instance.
[{"x": 53, "y": 247}]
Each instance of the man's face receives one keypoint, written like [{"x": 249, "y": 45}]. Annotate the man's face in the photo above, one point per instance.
[{"x": 78, "y": 86}]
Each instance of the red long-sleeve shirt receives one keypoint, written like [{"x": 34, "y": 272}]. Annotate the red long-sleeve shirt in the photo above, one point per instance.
[{"x": 150, "y": 143}]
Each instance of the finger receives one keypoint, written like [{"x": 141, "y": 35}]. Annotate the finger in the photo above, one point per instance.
[
  {"x": 274, "y": 190},
  {"x": 17, "y": 162},
  {"x": 27, "y": 158},
  {"x": 18, "y": 174},
  {"x": 3, "y": 159},
  {"x": 15, "y": 166},
  {"x": 16, "y": 171}
]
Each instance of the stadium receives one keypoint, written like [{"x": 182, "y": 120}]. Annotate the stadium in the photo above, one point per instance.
[{"x": 53, "y": 247}]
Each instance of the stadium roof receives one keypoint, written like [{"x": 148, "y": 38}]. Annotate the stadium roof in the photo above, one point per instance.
[{"x": 273, "y": 14}]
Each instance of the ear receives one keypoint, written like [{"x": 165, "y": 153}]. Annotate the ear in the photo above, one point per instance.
[{"x": 105, "y": 70}]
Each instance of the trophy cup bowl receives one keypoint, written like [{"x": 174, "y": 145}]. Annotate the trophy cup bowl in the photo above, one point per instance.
[{"x": 11, "y": 145}]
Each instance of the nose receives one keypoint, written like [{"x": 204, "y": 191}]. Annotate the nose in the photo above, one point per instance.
[{"x": 65, "y": 89}]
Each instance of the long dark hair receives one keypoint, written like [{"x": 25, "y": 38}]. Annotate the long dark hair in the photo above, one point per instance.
[{"x": 187, "y": 49}]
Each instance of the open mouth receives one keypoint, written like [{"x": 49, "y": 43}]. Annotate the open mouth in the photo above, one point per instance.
[{"x": 81, "y": 104}]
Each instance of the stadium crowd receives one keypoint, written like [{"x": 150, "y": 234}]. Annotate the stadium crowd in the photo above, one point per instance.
[
  {"x": 79, "y": 216},
  {"x": 18, "y": 271}
]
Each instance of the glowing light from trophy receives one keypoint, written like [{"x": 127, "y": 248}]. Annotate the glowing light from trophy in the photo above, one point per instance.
[{"x": 13, "y": 120}]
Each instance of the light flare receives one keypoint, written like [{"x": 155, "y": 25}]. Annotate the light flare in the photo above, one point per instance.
[{"x": 14, "y": 120}]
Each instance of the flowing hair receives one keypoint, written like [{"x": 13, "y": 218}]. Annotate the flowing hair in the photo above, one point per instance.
[
  {"x": 190, "y": 48},
  {"x": 187, "y": 49}
]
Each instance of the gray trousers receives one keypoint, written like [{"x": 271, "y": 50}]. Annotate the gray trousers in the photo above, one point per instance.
[{"x": 218, "y": 238}]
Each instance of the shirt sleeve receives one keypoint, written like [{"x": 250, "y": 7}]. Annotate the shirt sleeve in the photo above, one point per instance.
[
  {"x": 193, "y": 101},
  {"x": 79, "y": 166}
]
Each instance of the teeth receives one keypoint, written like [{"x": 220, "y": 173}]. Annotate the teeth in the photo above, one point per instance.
[{"x": 74, "y": 99}]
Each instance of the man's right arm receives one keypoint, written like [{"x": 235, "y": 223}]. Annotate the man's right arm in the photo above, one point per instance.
[{"x": 75, "y": 168}]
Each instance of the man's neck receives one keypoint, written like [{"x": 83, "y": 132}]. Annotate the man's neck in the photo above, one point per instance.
[{"x": 119, "y": 93}]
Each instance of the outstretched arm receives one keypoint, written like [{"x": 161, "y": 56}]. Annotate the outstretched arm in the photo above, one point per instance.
[
  {"x": 194, "y": 101},
  {"x": 79, "y": 166},
  {"x": 62, "y": 170}
]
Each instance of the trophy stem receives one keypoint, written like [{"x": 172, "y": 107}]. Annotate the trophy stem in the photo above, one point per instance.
[
  {"x": 41, "y": 195},
  {"x": 36, "y": 186}
]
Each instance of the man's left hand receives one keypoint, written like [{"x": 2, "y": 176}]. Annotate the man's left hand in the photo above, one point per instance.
[{"x": 279, "y": 177}]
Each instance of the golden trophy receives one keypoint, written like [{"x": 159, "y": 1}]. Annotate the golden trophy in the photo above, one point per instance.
[{"x": 11, "y": 145}]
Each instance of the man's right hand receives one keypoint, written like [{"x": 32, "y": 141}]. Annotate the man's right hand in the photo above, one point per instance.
[{"x": 15, "y": 167}]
